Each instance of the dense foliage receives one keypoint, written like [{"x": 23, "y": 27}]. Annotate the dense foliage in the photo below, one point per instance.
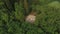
[{"x": 47, "y": 18}]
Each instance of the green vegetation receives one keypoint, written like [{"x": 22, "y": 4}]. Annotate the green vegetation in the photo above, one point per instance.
[{"x": 12, "y": 14}]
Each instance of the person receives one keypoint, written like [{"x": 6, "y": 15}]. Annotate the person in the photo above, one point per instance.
[{"x": 31, "y": 17}]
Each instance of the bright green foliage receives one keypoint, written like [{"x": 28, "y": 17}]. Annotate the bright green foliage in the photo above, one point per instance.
[
  {"x": 19, "y": 11},
  {"x": 47, "y": 18}
]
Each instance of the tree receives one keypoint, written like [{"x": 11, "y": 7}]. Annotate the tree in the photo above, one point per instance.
[{"x": 47, "y": 17}]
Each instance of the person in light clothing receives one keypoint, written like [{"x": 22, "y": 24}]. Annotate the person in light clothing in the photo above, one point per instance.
[{"x": 31, "y": 17}]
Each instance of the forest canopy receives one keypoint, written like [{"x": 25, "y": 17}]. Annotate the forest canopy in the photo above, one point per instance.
[{"x": 13, "y": 13}]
